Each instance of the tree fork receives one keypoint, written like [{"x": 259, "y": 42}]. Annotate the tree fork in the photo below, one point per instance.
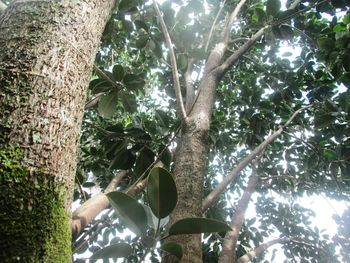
[{"x": 46, "y": 58}]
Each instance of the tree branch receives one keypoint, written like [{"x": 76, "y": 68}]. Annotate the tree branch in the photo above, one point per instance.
[
  {"x": 260, "y": 249},
  {"x": 225, "y": 33},
  {"x": 213, "y": 26},
  {"x": 84, "y": 214},
  {"x": 214, "y": 195},
  {"x": 228, "y": 252},
  {"x": 225, "y": 66},
  {"x": 176, "y": 79}
]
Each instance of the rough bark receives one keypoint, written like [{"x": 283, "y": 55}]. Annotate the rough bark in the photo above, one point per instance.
[
  {"x": 47, "y": 50},
  {"x": 190, "y": 163},
  {"x": 84, "y": 214}
]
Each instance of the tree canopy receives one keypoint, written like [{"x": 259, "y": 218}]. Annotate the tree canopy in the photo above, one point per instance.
[{"x": 288, "y": 91}]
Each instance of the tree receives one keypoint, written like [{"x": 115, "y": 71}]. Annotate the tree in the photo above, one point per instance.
[
  {"x": 252, "y": 124},
  {"x": 45, "y": 67}
]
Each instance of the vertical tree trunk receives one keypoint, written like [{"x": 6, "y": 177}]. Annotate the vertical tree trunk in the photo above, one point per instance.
[
  {"x": 47, "y": 49},
  {"x": 190, "y": 162}
]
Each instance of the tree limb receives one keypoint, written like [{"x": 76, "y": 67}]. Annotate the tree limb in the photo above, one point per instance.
[
  {"x": 228, "y": 252},
  {"x": 84, "y": 214},
  {"x": 213, "y": 26},
  {"x": 214, "y": 195},
  {"x": 174, "y": 70},
  {"x": 260, "y": 249},
  {"x": 225, "y": 33}
]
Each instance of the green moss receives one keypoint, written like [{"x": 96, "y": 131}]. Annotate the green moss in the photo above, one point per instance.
[
  {"x": 34, "y": 227},
  {"x": 10, "y": 166}
]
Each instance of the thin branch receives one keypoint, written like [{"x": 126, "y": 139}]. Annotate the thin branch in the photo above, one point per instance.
[
  {"x": 174, "y": 70},
  {"x": 84, "y": 214},
  {"x": 230, "y": 242},
  {"x": 213, "y": 26},
  {"x": 233, "y": 16},
  {"x": 214, "y": 195},
  {"x": 261, "y": 249}
]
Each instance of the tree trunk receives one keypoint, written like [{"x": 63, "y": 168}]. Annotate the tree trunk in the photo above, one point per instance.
[
  {"x": 47, "y": 49},
  {"x": 190, "y": 163}
]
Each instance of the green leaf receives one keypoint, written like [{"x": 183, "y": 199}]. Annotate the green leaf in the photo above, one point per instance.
[
  {"x": 197, "y": 226},
  {"x": 130, "y": 211},
  {"x": 127, "y": 5},
  {"x": 133, "y": 82},
  {"x": 107, "y": 104},
  {"x": 330, "y": 154},
  {"x": 161, "y": 192},
  {"x": 144, "y": 160},
  {"x": 152, "y": 220},
  {"x": 286, "y": 32},
  {"x": 273, "y": 7},
  {"x": 141, "y": 42},
  {"x": 99, "y": 85},
  {"x": 120, "y": 250},
  {"x": 173, "y": 249},
  {"x": 260, "y": 15},
  {"x": 325, "y": 43},
  {"x": 124, "y": 159},
  {"x": 129, "y": 101},
  {"x": 118, "y": 73}
]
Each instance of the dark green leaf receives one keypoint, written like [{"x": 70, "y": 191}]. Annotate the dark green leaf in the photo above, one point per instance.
[
  {"x": 130, "y": 211},
  {"x": 330, "y": 154},
  {"x": 120, "y": 250},
  {"x": 286, "y": 32},
  {"x": 142, "y": 41},
  {"x": 133, "y": 82},
  {"x": 197, "y": 226},
  {"x": 273, "y": 7},
  {"x": 127, "y": 5},
  {"x": 118, "y": 73},
  {"x": 100, "y": 85},
  {"x": 107, "y": 105},
  {"x": 173, "y": 249},
  {"x": 124, "y": 159},
  {"x": 129, "y": 101},
  {"x": 144, "y": 160},
  {"x": 325, "y": 43},
  {"x": 161, "y": 192}
]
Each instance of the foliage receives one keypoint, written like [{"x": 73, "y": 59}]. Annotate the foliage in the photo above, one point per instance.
[{"x": 302, "y": 58}]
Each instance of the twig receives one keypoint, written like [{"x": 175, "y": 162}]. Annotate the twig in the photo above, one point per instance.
[{"x": 174, "y": 70}]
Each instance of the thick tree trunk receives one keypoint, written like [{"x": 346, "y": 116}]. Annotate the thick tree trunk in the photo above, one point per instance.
[
  {"x": 47, "y": 50},
  {"x": 190, "y": 163}
]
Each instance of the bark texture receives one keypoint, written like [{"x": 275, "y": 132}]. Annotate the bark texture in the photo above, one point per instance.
[
  {"x": 47, "y": 49},
  {"x": 190, "y": 163}
]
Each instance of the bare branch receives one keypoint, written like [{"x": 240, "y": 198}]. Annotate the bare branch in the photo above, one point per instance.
[
  {"x": 230, "y": 242},
  {"x": 214, "y": 195},
  {"x": 83, "y": 215},
  {"x": 174, "y": 70},
  {"x": 260, "y": 249},
  {"x": 213, "y": 26},
  {"x": 226, "y": 32}
]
